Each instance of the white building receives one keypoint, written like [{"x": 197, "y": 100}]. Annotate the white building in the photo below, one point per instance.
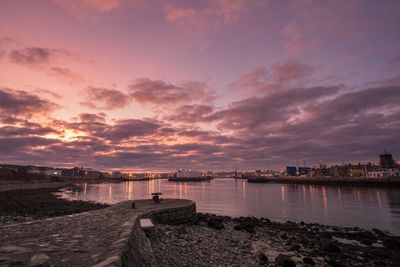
[
  {"x": 392, "y": 172},
  {"x": 376, "y": 174},
  {"x": 384, "y": 173}
]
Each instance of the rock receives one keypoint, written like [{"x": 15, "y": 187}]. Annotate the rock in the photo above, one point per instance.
[
  {"x": 295, "y": 247},
  {"x": 12, "y": 249},
  {"x": 331, "y": 247},
  {"x": 262, "y": 258},
  {"x": 285, "y": 261},
  {"x": 392, "y": 244},
  {"x": 378, "y": 232},
  {"x": 5, "y": 259},
  {"x": 215, "y": 223},
  {"x": 110, "y": 261},
  {"x": 308, "y": 260},
  {"x": 39, "y": 259},
  {"x": 290, "y": 226},
  {"x": 334, "y": 262},
  {"x": 245, "y": 225}
]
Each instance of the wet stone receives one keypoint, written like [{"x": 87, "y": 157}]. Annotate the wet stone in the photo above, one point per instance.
[{"x": 39, "y": 259}]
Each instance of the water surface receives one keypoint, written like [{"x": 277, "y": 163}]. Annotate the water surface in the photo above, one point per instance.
[{"x": 335, "y": 205}]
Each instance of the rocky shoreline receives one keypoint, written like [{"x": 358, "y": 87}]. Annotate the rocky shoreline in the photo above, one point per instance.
[
  {"x": 36, "y": 204},
  {"x": 211, "y": 240}
]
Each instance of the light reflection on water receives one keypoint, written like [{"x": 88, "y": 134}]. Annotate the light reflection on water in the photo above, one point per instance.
[{"x": 345, "y": 206}]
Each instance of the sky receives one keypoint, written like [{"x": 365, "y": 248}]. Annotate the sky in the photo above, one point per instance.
[{"x": 155, "y": 85}]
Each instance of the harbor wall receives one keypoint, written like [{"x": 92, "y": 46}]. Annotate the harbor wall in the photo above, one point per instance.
[
  {"x": 138, "y": 251},
  {"x": 352, "y": 181}
]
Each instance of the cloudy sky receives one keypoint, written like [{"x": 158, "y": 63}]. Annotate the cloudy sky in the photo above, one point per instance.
[{"x": 159, "y": 85}]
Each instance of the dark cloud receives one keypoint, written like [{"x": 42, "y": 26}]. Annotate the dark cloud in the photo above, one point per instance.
[
  {"x": 90, "y": 117},
  {"x": 190, "y": 113},
  {"x": 31, "y": 55},
  {"x": 158, "y": 92},
  {"x": 8, "y": 131},
  {"x": 272, "y": 110},
  {"x": 282, "y": 75},
  {"x": 330, "y": 124},
  {"x": 125, "y": 129},
  {"x": 105, "y": 99},
  {"x": 11, "y": 145},
  {"x": 18, "y": 103}
]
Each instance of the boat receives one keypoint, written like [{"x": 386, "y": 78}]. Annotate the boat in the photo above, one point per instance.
[{"x": 183, "y": 175}]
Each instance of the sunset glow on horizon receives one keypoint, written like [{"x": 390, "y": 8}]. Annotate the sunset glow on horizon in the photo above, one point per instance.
[{"x": 155, "y": 85}]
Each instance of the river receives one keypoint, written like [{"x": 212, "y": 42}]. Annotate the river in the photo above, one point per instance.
[{"x": 334, "y": 205}]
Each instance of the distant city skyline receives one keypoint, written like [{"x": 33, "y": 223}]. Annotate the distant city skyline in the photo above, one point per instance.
[{"x": 157, "y": 85}]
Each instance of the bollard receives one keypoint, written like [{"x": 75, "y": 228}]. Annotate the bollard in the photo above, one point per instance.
[{"x": 133, "y": 205}]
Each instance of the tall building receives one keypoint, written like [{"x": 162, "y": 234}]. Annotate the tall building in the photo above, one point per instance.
[{"x": 386, "y": 161}]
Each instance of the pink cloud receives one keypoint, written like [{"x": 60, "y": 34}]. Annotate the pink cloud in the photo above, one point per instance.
[
  {"x": 317, "y": 21},
  {"x": 215, "y": 14},
  {"x": 291, "y": 70},
  {"x": 34, "y": 56},
  {"x": 22, "y": 104},
  {"x": 255, "y": 80},
  {"x": 158, "y": 92},
  {"x": 281, "y": 75},
  {"x": 65, "y": 74},
  {"x": 89, "y": 9},
  {"x": 98, "y": 5},
  {"x": 105, "y": 99}
]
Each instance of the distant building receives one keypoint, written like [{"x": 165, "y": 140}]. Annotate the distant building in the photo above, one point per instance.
[
  {"x": 37, "y": 170},
  {"x": 319, "y": 172},
  {"x": 386, "y": 160},
  {"x": 74, "y": 172},
  {"x": 53, "y": 172},
  {"x": 92, "y": 174},
  {"x": 116, "y": 175},
  {"x": 291, "y": 171},
  {"x": 376, "y": 174},
  {"x": 304, "y": 171},
  {"x": 359, "y": 170},
  {"x": 182, "y": 173}
]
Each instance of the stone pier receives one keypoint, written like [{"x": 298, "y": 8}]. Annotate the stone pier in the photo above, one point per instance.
[{"x": 107, "y": 237}]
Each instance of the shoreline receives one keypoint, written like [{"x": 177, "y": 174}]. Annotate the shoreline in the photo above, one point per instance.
[
  {"x": 365, "y": 182},
  {"x": 212, "y": 240},
  {"x": 39, "y": 202}
]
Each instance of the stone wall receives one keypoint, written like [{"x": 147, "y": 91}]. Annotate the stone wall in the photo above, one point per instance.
[
  {"x": 172, "y": 215},
  {"x": 138, "y": 251},
  {"x": 100, "y": 238}
]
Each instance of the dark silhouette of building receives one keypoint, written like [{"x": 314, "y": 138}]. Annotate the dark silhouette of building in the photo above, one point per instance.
[
  {"x": 386, "y": 161},
  {"x": 304, "y": 170},
  {"x": 291, "y": 171}
]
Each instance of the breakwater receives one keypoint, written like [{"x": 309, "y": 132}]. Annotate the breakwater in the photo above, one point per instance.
[{"x": 106, "y": 237}]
